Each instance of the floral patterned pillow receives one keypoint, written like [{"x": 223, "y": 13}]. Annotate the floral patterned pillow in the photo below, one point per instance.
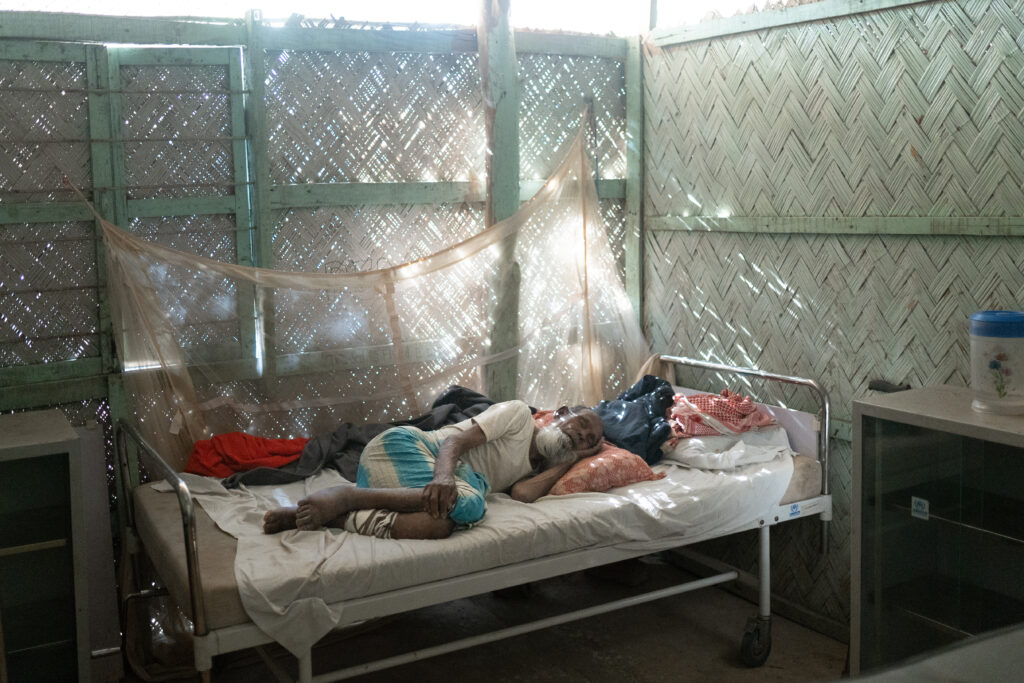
[{"x": 610, "y": 468}]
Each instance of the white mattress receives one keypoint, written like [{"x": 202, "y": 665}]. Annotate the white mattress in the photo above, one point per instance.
[{"x": 293, "y": 585}]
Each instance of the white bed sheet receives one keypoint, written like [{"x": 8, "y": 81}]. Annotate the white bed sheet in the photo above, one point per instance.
[
  {"x": 293, "y": 584},
  {"x": 728, "y": 451}
]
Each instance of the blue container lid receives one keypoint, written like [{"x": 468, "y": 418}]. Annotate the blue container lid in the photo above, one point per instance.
[{"x": 997, "y": 324}]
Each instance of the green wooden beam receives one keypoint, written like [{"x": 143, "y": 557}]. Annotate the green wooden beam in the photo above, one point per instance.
[
  {"x": 248, "y": 323},
  {"x": 982, "y": 226},
  {"x": 90, "y": 28},
  {"x": 59, "y": 371},
  {"x": 501, "y": 89},
  {"x": 54, "y": 212},
  {"x": 244, "y": 253},
  {"x": 537, "y": 42},
  {"x": 117, "y": 213},
  {"x": 345, "y": 194},
  {"x": 634, "y": 191},
  {"x": 175, "y": 56},
  {"x": 103, "y": 122},
  {"x": 291, "y": 196},
  {"x": 119, "y": 410},
  {"x": 181, "y": 206},
  {"x": 43, "y": 394},
  {"x": 118, "y": 210},
  {"x": 163, "y": 31},
  {"x": 360, "y": 358},
  {"x": 498, "y": 66},
  {"x": 819, "y": 11},
  {"x": 607, "y": 188},
  {"x": 360, "y": 40},
  {"x": 439, "y": 41},
  {"x": 263, "y": 214},
  {"x": 255, "y": 70},
  {"x": 354, "y": 194},
  {"x": 41, "y": 51}
]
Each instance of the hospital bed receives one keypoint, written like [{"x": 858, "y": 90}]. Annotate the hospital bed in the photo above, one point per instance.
[{"x": 200, "y": 563}]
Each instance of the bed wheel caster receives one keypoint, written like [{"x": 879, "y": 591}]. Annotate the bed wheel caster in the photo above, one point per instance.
[{"x": 757, "y": 641}]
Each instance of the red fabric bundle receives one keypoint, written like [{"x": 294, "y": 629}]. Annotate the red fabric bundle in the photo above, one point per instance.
[
  {"x": 713, "y": 414},
  {"x": 225, "y": 454}
]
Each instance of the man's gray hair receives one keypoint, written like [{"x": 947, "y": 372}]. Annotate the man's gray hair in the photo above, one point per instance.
[{"x": 554, "y": 446}]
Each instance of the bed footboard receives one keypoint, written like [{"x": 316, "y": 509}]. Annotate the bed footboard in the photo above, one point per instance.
[{"x": 159, "y": 467}]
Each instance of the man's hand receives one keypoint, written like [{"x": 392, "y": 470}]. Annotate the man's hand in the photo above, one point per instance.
[{"x": 439, "y": 497}]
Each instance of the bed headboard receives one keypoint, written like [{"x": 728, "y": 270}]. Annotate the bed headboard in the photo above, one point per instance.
[{"x": 820, "y": 433}]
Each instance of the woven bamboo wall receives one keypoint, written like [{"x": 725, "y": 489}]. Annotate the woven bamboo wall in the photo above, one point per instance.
[
  {"x": 555, "y": 90},
  {"x": 405, "y": 117},
  {"x": 916, "y": 111},
  {"x": 167, "y": 140},
  {"x": 48, "y": 288}
]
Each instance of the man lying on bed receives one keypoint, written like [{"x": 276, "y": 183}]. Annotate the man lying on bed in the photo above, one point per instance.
[{"x": 418, "y": 484}]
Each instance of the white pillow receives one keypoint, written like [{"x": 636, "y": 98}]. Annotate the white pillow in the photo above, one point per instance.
[{"x": 730, "y": 451}]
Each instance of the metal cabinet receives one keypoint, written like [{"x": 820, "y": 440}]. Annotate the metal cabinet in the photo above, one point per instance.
[
  {"x": 938, "y": 523},
  {"x": 43, "y": 616}
]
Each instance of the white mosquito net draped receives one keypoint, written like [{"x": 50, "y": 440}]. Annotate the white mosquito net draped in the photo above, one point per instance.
[{"x": 208, "y": 347}]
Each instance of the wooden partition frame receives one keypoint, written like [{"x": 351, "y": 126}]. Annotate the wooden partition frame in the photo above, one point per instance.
[{"x": 100, "y": 42}]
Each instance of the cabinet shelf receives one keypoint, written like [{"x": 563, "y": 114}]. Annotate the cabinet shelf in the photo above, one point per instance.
[
  {"x": 41, "y": 646},
  {"x": 972, "y": 528},
  {"x": 970, "y": 505},
  {"x": 967, "y": 609},
  {"x": 30, "y": 527},
  {"x": 7, "y": 551},
  {"x": 48, "y": 664},
  {"x": 41, "y": 623}
]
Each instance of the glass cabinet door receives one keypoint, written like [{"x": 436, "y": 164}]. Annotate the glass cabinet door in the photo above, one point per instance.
[
  {"x": 37, "y": 592},
  {"x": 942, "y": 539}
]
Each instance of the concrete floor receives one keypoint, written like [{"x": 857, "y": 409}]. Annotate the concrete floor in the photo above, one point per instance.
[{"x": 689, "y": 637}]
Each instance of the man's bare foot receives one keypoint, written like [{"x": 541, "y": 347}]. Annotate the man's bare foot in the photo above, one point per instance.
[
  {"x": 278, "y": 520},
  {"x": 322, "y": 507}
]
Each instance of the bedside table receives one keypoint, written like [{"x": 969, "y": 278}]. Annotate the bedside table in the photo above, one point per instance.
[{"x": 43, "y": 616}]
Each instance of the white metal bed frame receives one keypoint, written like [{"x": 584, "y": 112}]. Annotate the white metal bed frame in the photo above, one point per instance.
[{"x": 755, "y": 646}]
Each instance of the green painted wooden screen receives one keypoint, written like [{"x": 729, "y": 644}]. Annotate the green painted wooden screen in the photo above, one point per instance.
[{"x": 312, "y": 146}]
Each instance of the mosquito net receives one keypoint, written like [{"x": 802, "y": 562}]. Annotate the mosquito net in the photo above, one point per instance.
[{"x": 208, "y": 347}]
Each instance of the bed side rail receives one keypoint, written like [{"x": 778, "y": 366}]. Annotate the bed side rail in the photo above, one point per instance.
[
  {"x": 159, "y": 467},
  {"x": 825, "y": 411}
]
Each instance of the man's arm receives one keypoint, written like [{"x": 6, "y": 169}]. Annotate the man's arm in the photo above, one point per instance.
[
  {"x": 439, "y": 495},
  {"x": 529, "y": 489}
]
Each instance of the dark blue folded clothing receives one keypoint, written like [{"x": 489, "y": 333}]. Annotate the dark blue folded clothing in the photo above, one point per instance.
[{"x": 636, "y": 420}]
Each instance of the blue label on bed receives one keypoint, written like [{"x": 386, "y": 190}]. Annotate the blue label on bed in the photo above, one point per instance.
[
  {"x": 794, "y": 510},
  {"x": 919, "y": 507}
]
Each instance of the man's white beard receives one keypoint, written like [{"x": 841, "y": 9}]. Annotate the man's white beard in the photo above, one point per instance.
[{"x": 554, "y": 446}]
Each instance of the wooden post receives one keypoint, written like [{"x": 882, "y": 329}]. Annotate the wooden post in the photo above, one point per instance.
[
  {"x": 244, "y": 252},
  {"x": 499, "y": 76},
  {"x": 103, "y": 72},
  {"x": 254, "y": 62},
  {"x": 103, "y": 77},
  {"x": 634, "y": 238}
]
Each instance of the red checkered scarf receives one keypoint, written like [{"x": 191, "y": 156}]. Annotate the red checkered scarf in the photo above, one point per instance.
[{"x": 714, "y": 414}]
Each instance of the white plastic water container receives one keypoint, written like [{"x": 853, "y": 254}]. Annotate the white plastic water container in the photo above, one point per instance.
[{"x": 997, "y": 362}]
